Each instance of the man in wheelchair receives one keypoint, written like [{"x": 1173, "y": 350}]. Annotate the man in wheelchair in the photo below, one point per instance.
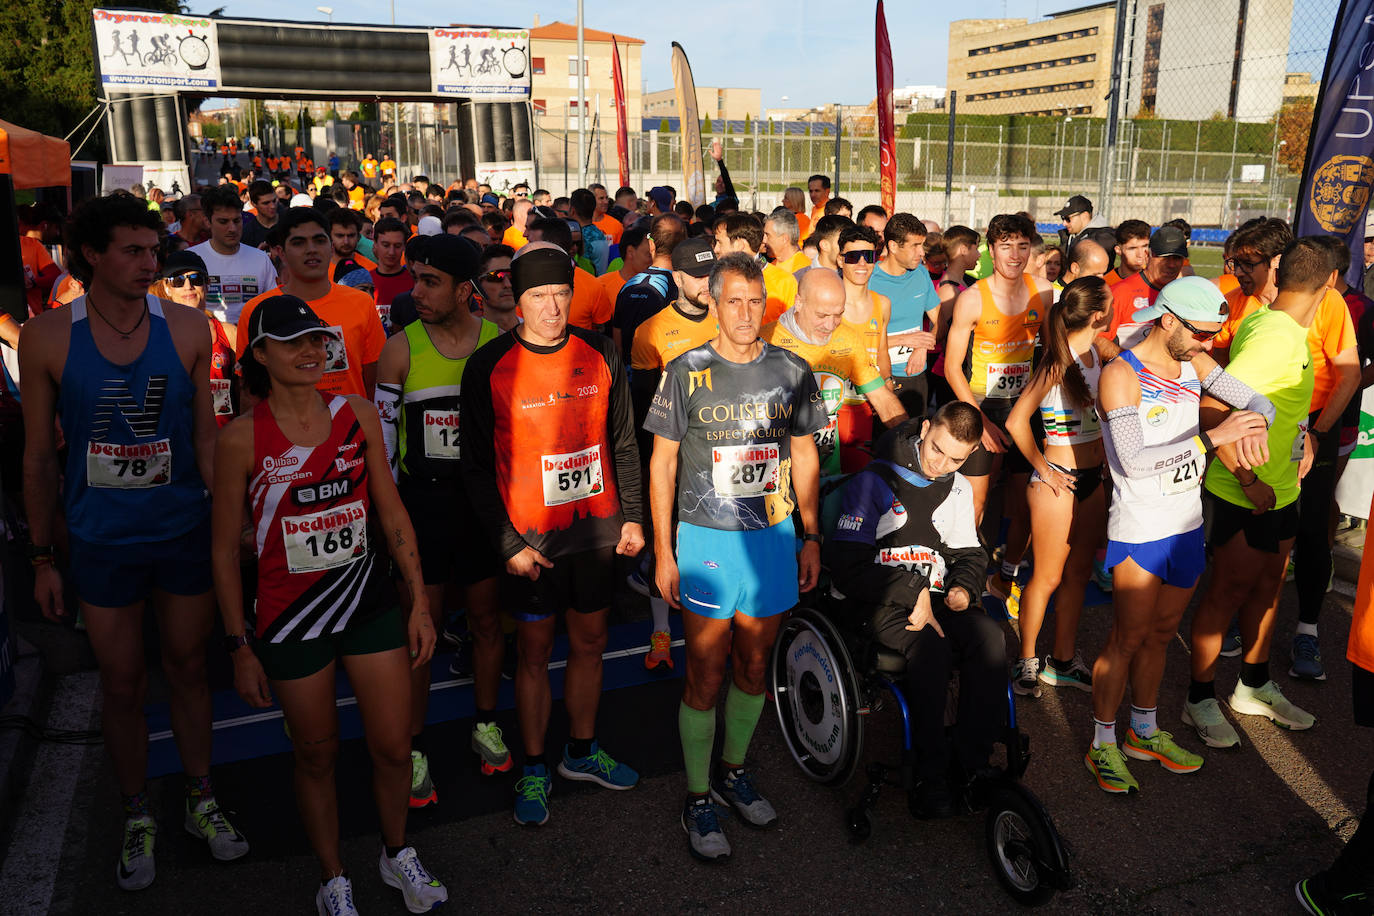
[{"x": 906, "y": 554}]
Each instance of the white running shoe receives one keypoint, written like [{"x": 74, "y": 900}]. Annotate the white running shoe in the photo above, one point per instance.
[
  {"x": 421, "y": 890},
  {"x": 1211, "y": 725},
  {"x": 335, "y": 898}
]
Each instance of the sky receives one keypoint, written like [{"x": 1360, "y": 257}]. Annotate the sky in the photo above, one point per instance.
[{"x": 812, "y": 52}]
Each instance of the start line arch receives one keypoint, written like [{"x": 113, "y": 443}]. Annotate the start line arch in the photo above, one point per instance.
[{"x": 149, "y": 63}]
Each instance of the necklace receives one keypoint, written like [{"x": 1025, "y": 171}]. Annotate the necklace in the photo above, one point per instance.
[{"x": 124, "y": 334}]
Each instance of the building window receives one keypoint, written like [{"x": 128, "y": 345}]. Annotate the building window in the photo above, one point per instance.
[
  {"x": 541, "y": 106},
  {"x": 572, "y": 65},
  {"x": 537, "y": 65},
  {"x": 1032, "y": 42},
  {"x": 1030, "y": 90},
  {"x": 1036, "y": 65}
]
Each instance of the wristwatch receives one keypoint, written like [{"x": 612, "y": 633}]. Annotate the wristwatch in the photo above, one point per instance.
[
  {"x": 233, "y": 643},
  {"x": 816, "y": 538}
]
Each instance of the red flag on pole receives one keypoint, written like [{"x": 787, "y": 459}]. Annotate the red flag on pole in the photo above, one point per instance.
[
  {"x": 622, "y": 137},
  {"x": 887, "y": 146}
]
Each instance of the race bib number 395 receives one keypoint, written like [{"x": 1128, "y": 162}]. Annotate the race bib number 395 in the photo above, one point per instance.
[
  {"x": 129, "y": 467},
  {"x": 572, "y": 476},
  {"x": 1006, "y": 380},
  {"x": 324, "y": 540},
  {"x": 745, "y": 470}
]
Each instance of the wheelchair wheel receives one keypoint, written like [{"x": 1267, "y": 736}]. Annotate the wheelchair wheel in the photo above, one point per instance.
[
  {"x": 816, "y": 692},
  {"x": 1024, "y": 846}
]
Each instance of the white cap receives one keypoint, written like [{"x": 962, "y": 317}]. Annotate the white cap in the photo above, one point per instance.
[
  {"x": 302, "y": 200},
  {"x": 429, "y": 225},
  {"x": 1369, "y": 223}
]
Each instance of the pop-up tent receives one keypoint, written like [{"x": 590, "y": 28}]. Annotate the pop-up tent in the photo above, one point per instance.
[{"x": 33, "y": 160}]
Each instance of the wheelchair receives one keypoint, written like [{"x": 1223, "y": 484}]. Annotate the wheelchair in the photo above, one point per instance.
[{"x": 823, "y": 698}]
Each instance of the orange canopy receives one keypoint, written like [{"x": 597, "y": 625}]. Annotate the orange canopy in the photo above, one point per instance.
[{"x": 32, "y": 159}]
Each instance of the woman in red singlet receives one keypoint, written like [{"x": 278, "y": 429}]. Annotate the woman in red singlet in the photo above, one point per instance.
[{"x": 313, "y": 471}]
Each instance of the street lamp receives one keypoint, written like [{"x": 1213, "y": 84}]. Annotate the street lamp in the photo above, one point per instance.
[{"x": 328, "y": 11}]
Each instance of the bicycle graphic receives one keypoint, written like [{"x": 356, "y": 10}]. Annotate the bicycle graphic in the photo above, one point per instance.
[{"x": 162, "y": 52}]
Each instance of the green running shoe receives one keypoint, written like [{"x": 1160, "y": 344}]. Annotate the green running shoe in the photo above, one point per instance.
[
  {"x": 137, "y": 867},
  {"x": 1107, "y": 764},
  {"x": 1270, "y": 702},
  {"x": 422, "y": 791},
  {"x": 488, "y": 744},
  {"x": 1160, "y": 747}
]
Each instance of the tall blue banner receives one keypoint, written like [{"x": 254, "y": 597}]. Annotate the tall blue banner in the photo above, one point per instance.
[{"x": 1339, "y": 170}]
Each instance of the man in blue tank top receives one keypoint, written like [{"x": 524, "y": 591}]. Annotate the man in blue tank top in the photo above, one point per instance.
[{"x": 128, "y": 377}]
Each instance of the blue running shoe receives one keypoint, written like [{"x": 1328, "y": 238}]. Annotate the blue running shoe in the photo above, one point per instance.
[
  {"x": 1230, "y": 643},
  {"x": 532, "y": 796},
  {"x": 1102, "y": 577},
  {"x": 736, "y": 788},
  {"x": 704, "y": 837},
  {"x": 1307, "y": 659},
  {"x": 598, "y": 767}
]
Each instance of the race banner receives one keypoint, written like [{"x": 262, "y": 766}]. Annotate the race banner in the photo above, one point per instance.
[
  {"x": 486, "y": 65},
  {"x": 690, "y": 127},
  {"x": 1339, "y": 171},
  {"x": 622, "y": 137},
  {"x": 887, "y": 146},
  {"x": 155, "y": 52}
]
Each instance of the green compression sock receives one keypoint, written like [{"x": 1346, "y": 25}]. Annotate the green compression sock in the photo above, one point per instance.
[
  {"x": 741, "y": 717},
  {"x": 697, "y": 728}
]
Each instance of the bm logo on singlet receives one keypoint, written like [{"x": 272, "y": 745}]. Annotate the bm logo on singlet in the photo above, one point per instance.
[{"x": 115, "y": 398}]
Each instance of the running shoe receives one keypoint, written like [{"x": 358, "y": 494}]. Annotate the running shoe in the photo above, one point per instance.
[
  {"x": 421, "y": 891},
  {"x": 204, "y": 819},
  {"x": 1107, "y": 764},
  {"x": 1307, "y": 659},
  {"x": 1270, "y": 702},
  {"x": 1318, "y": 897},
  {"x": 598, "y": 767},
  {"x": 532, "y": 796},
  {"x": 736, "y": 788},
  {"x": 136, "y": 866},
  {"x": 452, "y": 635},
  {"x": 1209, "y": 722},
  {"x": 660, "y": 651},
  {"x": 1102, "y": 577},
  {"x": 335, "y": 898},
  {"x": 1009, "y": 595},
  {"x": 1230, "y": 643},
  {"x": 1077, "y": 675},
  {"x": 488, "y": 744},
  {"x": 1160, "y": 747},
  {"x": 422, "y": 791},
  {"x": 1025, "y": 679},
  {"x": 704, "y": 837}
]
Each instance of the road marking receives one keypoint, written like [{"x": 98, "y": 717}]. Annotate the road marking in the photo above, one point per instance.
[{"x": 40, "y": 828}]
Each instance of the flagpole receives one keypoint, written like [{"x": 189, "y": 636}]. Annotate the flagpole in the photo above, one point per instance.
[{"x": 581, "y": 103}]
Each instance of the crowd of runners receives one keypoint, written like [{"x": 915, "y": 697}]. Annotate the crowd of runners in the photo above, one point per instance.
[{"x": 317, "y": 414}]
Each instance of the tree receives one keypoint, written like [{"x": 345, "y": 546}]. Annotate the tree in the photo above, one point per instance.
[
  {"x": 46, "y": 63},
  {"x": 1295, "y": 125}
]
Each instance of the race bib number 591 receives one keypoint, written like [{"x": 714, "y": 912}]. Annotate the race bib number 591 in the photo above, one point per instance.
[
  {"x": 572, "y": 476},
  {"x": 129, "y": 467}
]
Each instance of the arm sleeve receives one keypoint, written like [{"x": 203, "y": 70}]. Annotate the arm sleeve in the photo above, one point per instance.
[
  {"x": 1224, "y": 386},
  {"x": 725, "y": 177},
  {"x": 478, "y": 457},
  {"x": 853, "y": 549},
  {"x": 1138, "y": 460},
  {"x": 388, "y": 401},
  {"x": 622, "y": 429}
]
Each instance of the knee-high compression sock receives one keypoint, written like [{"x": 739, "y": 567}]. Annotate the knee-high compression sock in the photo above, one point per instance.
[
  {"x": 697, "y": 729},
  {"x": 741, "y": 717},
  {"x": 658, "y": 609}
]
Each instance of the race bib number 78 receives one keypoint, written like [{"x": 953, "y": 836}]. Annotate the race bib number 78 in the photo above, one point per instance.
[{"x": 129, "y": 467}]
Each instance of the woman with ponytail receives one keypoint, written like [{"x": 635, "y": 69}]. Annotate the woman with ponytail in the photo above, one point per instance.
[{"x": 1068, "y": 503}]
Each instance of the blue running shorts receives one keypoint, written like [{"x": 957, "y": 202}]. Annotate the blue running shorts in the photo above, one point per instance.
[
  {"x": 1178, "y": 560},
  {"x": 727, "y": 572}
]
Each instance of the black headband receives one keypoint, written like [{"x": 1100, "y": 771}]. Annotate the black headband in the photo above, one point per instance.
[{"x": 540, "y": 267}]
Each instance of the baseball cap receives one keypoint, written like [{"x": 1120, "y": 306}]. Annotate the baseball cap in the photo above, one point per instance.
[
  {"x": 694, "y": 257},
  {"x": 179, "y": 262},
  {"x": 284, "y": 317},
  {"x": 1077, "y": 204},
  {"x": 452, "y": 254},
  {"x": 1169, "y": 241},
  {"x": 429, "y": 225},
  {"x": 491, "y": 199},
  {"x": 663, "y": 197},
  {"x": 1189, "y": 298},
  {"x": 302, "y": 200}
]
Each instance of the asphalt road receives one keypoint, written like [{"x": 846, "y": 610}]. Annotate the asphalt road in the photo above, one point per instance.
[{"x": 1231, "y": 838}]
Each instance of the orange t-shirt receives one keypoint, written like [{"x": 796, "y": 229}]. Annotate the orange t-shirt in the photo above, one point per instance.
[
  {"x": 612, "y": 282},
  {"x": 369, "y": 167},
  {"x": 357, "y": 197},
  {"x": 352, "y": 312},
  {"x": 1332, "y": 332},
  {"x": 611, "y": 226},
  {"x": 514, "y": 238},
  {"x": 804, "y": 224},
  {"x": 781, "y": 289},
  {"x": 591, "y": 307},
  {"x": 1360, "y": 648},
  {"x": 1226, "y": 283},
  {"x": 36, "y": 260},
  {"x": 816, "y": 214},
  {"x": 388, "y": 166}
]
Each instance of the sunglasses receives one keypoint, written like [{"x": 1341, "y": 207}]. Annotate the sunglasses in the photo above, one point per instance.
[
  {"x": 1199, "y": 336},
  {"x": 867, "y": 255},
  {"x": 495, "y": 276},
  {"x": 521, "y": 194},
  {"x": 194, "y": 278}
]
